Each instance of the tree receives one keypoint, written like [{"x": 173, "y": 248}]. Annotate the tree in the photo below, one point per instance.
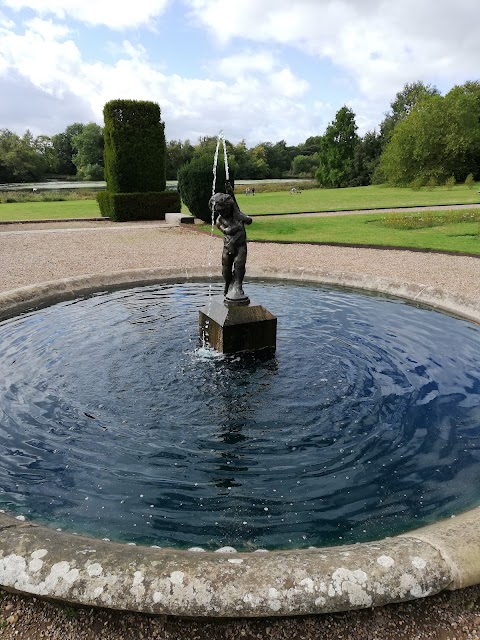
[
  {"x": 311, "y": 145},
  {"x": 88, "y": 152},
  {"x": 20, "y": 161},
  {"x": 305, "y": 166},
  {"x": 404, "y": 102},
  {"x": 366, "y": 159},
  {"x": 259, "y": 169},
  {"x": 44, "y": 146},
  {"x": 63, "y": 150},
  {"x": 177, "y": 154},
  {"x": 278, "y": 158},
  {"x": 439, "y": 138},
  {"x": 338, "y": 150},
  {"x": 242, "y": 161}
]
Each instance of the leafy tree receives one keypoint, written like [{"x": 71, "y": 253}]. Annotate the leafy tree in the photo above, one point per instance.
[
  {"x": 63, "y": 150},
  {"x": 440, "y": 137},
  {"x": 338, "y": 150},
  {"x": 88, "y": 152},
  {"x": 312, "y": 145},
  {"x": 177, "y": 154},
  {"x": 43, "y": 144},
  {"x": 278, "y": 158},
  {"x": 258, "y": 163},
  {"x": 207, "y": 145},
  {"x": 242, "y": 161},
  {"x": 20, "y": 161},
  {"x": 405, "y": 101},
  {"x": 305, "y": 166},
  {"x": 366, "y": 159}
]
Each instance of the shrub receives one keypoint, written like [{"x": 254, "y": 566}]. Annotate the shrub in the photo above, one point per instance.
[
  {"x": 470, "y": 181},
  {"x": 122, "y": 207},
  {"x": 450, "y": 182},
  {"x": 135, "y": 147},
  {"x": 104, "y": 199},
  {"x": 417, "y": 184},
  {"x": 195, "y": 181},
  {"x": 432, "y": 183}
]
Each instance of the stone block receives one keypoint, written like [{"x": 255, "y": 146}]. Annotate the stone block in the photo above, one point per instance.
[
  {"x": 179, "y": 218},
  {"x": 233, "y": 329}
]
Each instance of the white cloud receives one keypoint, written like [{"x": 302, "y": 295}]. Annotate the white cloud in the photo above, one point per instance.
[
  {"x": 47, "y": 29},
  {"x": 285, "y": 83},
  {"x": 262, "y": 70},
  {"x": 381, "y": 44},
  {"x": 247, "y": 62},
  {"x": 111, "y": 13},
  {"x": 256, "y": 92},
  {"x": 252, "y": 103}
]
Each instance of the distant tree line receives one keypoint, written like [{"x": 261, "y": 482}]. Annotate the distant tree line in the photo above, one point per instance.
[{"x": 424, "y": 138}]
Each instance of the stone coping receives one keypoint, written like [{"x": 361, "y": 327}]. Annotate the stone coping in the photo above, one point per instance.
[{"x": 81, "y": 570}]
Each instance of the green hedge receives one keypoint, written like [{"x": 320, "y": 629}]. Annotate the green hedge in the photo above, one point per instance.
[
  {"x": 195, "y": 181},
  {"x": 122, "y": 207},
  {"x": 135, "y": 146}
]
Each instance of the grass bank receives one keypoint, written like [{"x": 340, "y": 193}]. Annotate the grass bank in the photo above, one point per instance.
[{"x": 373, "y": 229}]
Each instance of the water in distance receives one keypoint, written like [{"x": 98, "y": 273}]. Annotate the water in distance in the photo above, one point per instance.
[{"x": 116, "y": 422}]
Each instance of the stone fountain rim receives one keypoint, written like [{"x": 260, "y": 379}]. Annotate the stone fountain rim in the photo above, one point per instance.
[{"x": 81, "y": 570}]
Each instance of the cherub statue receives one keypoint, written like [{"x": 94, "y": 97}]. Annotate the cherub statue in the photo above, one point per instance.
[{"x": 231, "y": 221}]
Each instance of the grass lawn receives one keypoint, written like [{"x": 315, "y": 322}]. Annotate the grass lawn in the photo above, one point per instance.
[
  {"x": 368, "y": 229},
  {"x": 49, "y": 210},
  {"x": 372, "y": 197}
]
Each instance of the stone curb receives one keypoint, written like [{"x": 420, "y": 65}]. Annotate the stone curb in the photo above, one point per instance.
[{"x": 81, "y": 570}]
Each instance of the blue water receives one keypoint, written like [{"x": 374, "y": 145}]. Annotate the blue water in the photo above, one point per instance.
[{"x": 114, "y": 421}]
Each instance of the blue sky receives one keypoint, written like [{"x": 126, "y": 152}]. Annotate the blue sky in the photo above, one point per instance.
[{"x": 260, "y": 70}]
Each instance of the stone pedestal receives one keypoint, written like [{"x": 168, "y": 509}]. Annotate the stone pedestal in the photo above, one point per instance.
[{"x": 232, "y": 328}]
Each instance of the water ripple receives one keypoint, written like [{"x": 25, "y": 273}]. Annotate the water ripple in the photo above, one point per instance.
[{"x": 116, "y": 421}]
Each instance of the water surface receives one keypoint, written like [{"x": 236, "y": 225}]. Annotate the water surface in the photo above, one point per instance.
[{"x": 114, "y": 421}]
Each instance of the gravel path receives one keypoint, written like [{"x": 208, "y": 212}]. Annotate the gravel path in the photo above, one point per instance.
[{"x": 34, "y": 256}]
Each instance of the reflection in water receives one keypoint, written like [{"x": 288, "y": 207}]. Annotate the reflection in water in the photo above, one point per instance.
[{"x": 114, "y": 421}]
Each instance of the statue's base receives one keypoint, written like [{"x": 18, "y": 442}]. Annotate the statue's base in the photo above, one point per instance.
[{"x": 236, "y": 328}]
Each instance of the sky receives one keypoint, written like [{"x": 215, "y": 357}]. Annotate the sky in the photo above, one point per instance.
[{"x": 258, "y": 70}]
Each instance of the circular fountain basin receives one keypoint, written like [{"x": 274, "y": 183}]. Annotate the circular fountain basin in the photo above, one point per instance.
[{"x": 117, "y": 423}]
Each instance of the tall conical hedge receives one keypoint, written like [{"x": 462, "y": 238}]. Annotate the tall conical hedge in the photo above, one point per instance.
[
  {"x": 134, "y": 152},
  {"x": 135, "y": 146}
]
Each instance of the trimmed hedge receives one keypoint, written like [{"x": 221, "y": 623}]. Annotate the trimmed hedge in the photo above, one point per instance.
[
  {"x": 195, "y": 181},
  {"x": 135, "y": 147},
  {"x": 122, "y": 207}
]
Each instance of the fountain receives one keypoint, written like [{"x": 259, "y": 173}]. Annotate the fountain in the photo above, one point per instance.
[
  {"x": 303, "y": 479},
  {"x": 233, "y": 324}
]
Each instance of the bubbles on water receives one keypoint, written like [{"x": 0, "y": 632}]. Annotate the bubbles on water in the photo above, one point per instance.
[{"x": 207, "y": 353}]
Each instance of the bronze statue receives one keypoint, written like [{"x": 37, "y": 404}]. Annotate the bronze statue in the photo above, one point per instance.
[{"x": 231, "y": 221}]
